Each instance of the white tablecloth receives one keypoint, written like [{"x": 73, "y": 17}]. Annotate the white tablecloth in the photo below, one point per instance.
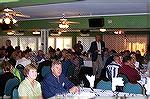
[{"x": 86, "y": 93}]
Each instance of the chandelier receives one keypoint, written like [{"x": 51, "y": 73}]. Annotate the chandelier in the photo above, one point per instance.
[
  {"x": 63, "y": 26},
  {"x": 9, "y": 14},
  {"x": 8, "y": 19}
]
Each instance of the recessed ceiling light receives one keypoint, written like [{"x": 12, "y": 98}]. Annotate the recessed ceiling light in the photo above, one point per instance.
[{"x": 102, "y": 30}]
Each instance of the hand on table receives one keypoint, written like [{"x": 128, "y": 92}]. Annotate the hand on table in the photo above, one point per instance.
[{"x": 74, "y": 89}]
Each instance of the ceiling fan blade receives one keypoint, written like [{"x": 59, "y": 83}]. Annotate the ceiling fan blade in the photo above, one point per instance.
[
  {"x": 14, "y": 13},
  {"x": 71, "y": 22},
  {"x": 55, "y": 22},
  {"x": 22, "y": 15},
  {"x": 8, "y": 10},
  {"x": 63, "y": 19}
]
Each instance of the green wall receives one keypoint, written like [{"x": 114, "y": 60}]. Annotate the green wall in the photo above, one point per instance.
[
  {"x": 127, "y": 22},
  {"x": 138, "y": 21},
  {"x": 110, "y": 22}
]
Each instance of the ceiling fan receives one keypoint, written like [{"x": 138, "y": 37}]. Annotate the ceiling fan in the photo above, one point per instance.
[
  {"x": 64, "y": 23},
  {"x": 9, "y": 14}
]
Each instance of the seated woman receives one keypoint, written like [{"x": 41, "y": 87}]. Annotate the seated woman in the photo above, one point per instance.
[
  {"x": 15, "y": 71},
  {"x": 7, "y": 74},
  {"x": 30, "y": 88}
]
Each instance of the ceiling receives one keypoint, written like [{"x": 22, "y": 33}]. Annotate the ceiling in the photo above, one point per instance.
[
  {"x": 86, "y": 8},
  {"x": 53, "y": 9}
]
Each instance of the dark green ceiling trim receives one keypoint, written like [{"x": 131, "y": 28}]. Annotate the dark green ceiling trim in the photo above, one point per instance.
[
  {"x": 21, "y": 3},
  {"x": 138, "y": 21}
]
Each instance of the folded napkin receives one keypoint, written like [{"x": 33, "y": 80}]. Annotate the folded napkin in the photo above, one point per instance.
[
  {"x": 91, "y": 79},
  {"x": 147, "y": 86},
  {"x": 118, "y": 81},
  {"x": 86, "y": 95}
]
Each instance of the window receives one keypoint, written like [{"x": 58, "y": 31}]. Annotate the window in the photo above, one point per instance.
[
  {"x": 51, "y": 42},
  {"x": 63, "y": 42},
  {"x": 86, "y": 42},
  {"x": 126, "y": 42},
  {"x": 14, "y": 40},
  {"x": 28, "y": 41}
]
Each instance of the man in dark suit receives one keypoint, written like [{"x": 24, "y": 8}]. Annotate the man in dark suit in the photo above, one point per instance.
[
  {"x": 96, "y": 49},
  {"x": 9, "y": 48}
]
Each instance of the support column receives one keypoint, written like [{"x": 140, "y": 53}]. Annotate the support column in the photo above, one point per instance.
[{"x": 44, "y": 40}]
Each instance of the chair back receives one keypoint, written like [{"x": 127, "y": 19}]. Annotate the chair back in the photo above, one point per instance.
[
  {"x": 20, "y": 67},
  {"x": 14, "y": 94},
  {"x": 21, "y": 75},
  {"x": 10, "y": 85},
  {"x": 125, "y": 78},
  {"x": 1, "y": 70},
  {"x": 105, "y": 85},
  {"x": 45, "y": 70},
  {"x": 133, "y": 88},
  {"x": 112, "y": 71}
]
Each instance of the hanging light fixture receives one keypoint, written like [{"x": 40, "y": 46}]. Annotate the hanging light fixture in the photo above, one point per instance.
[
  {"x": 36, "y": 32},
  {"x": 118, "y": 32},
  {"x": 59, "y": 32},
  {"x": 8, "y": 20},
  {"x": 14, "y": 21},
  {"x": 63, "y": 26},
  {"x": 1, "y": 20},
  {"x": 102, "y": 30},
  {"x": 10, "y": 32},
  {"x": 9, "y": 14}
]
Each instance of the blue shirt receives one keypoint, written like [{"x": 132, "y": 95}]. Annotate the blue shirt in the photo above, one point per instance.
[
  {"x": 65, "y": 65},
  {"x": 52, "y": 85}
]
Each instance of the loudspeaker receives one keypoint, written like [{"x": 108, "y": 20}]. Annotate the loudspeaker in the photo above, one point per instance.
[{"x": 96, "y": 22}]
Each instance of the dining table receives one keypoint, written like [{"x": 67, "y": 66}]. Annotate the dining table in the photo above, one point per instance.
[{"x": 90, "y": 93}]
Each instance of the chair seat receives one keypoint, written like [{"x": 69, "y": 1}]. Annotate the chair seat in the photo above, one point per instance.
[
  {"x": 112, "y": 71},
  {"x": 105, "y": 85},
  {"x": 15, "y": 94},
  {"x": 45, "y": 71},
  {"x": 125, "y": 78},
  {"x": 10, "y": 85},
  {"x": 133, "y": 88}
]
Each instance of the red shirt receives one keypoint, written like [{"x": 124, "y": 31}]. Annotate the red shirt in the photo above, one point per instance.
[{"x": 131, "y": 73}]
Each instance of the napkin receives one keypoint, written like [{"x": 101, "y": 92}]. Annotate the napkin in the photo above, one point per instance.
[
  {"x": 91, "y": 80},
  {"x": 118, "y": 81},
  {"x": 147, "y": 86},
  {"x": 87, "y": 95}
]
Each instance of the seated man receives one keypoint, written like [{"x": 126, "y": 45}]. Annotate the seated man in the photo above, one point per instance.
[
  {"x": 56, "y": 83},
  {"x": 128, "y": 69},
  {"x": 112, "y": 68}
]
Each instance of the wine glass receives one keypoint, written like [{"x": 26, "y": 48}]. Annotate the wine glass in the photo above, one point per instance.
[{"x": 82, "y": 84}]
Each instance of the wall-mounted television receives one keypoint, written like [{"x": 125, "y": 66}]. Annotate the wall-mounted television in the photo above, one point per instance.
[{"x": 96, "y": 22}]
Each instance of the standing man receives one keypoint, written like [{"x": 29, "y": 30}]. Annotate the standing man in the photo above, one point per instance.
[
  {"x": 9, "y": 48},
  {"x": 78, "y": 48},
  {"x": 96, "y": 49}
]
